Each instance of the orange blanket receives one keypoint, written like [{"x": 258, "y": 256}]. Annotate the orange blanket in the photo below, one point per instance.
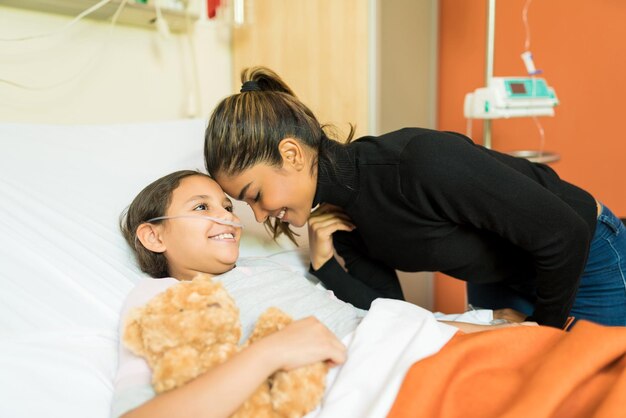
[{"x": 521, "y": 372}]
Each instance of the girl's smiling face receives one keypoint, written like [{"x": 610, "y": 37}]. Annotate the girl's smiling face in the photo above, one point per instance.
[{"x": 197, "y": 245}]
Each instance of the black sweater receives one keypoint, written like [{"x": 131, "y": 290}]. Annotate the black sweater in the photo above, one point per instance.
[{"x": 426, "y": 200}]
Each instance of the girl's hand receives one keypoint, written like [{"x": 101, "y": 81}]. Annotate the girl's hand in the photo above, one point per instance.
[
  {"x": 323, "y": 222},
  {"x": 304, "y": 342}
]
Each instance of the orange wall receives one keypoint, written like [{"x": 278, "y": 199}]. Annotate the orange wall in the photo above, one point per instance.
[{"x": 581, "y": 48}]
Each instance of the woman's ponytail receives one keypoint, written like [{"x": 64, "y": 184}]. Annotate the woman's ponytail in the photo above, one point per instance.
[{"x": 265, "y": 79}]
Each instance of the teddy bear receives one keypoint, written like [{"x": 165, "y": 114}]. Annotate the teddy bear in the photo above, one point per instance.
[{"x": 194, "y": 325}]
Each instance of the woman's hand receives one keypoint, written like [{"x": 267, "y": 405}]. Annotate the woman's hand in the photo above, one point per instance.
[
  {"x": 323, "y": 222},
  {"x": 508, "y": 314},
  {"x": 304, "y": 342}
]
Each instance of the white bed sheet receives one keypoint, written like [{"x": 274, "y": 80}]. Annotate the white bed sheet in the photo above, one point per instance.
[{"x": 392, "y": 336}]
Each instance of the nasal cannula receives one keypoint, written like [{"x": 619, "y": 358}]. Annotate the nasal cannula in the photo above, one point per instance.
[{"x": 208, "y": 218}]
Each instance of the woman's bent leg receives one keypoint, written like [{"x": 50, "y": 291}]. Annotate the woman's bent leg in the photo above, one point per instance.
[{"x": 601, "y": 296}]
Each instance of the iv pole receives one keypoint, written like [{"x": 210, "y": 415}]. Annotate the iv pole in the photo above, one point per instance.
[
  {"x": 541, "y": 156},
  {"x": 491, "y": 26}
]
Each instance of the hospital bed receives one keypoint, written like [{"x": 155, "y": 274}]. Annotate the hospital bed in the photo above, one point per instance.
[
  {"x": 65, "y": 271},
  {"x": 65, "y": 268}
]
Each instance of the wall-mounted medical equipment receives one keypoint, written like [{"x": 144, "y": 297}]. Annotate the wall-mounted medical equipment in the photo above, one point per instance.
[
  {"x": 143, "y": 13},
  {"x": 508, "y": 97}
]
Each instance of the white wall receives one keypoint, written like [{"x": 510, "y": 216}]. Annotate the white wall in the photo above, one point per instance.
[{"x": 91, "y": 74}]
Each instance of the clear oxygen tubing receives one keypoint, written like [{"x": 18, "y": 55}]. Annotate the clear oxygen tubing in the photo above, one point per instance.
[{"x": 207, "y": 218}]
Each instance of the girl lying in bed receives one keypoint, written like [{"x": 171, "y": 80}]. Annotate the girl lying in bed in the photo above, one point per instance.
[{"x": 183, "y": 224}]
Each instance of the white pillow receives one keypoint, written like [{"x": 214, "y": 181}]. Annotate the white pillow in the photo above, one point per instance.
[{"x": 65, "y": 267}]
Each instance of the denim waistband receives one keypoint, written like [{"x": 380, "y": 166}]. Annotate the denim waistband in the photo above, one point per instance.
[{"x": 608, "y": 218}]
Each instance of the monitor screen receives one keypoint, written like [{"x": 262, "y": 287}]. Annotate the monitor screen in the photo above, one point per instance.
[{"x": 518, "y": 88}]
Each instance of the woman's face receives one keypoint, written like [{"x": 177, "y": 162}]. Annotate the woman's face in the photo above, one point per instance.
[
  {"x": 197, "y": 245},
  {"x": 285, "y": 193}
]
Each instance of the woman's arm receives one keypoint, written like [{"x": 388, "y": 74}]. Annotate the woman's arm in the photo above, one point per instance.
[
  {"x": 469, "y": 328},
  {"x": 366, "y": 279},
  {"x": 221, "y": 390}
]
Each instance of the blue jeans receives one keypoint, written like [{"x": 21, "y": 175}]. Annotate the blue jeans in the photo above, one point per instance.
[{"x": 601, "y": 295}]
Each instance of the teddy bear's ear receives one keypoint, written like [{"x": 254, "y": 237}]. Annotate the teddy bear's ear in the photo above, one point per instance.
[{"x": 132, "y": 336}]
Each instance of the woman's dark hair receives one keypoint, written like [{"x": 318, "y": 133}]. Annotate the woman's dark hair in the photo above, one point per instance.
[
  {"x": 151, "y": 202},
  {"x": 245, "y": 129}
]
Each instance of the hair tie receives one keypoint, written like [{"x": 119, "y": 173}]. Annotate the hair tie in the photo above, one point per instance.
[{"x": 250, "y": 86}]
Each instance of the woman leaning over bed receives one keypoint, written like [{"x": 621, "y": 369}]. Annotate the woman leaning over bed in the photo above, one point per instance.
[
  {"x": 166, "y": 228},
  {"x": 419, "y": 200}
]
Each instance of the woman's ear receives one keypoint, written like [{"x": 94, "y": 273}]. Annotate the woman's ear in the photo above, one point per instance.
[
  {"x": 149, "y": 236},
  {"x": 292, "y": 152}
]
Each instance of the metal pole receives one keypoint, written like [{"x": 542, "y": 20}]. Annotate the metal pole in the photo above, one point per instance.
[{"x": 491, "y": 30}]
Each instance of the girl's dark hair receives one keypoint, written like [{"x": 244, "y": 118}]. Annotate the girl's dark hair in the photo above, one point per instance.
[
  {"x": 151, "y": 202},
  {"x": 246, "y": 128}
]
